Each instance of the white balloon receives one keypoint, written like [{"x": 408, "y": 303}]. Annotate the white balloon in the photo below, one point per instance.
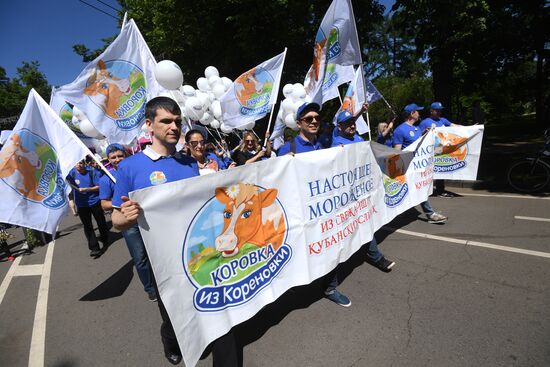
[
  {"x": 210, "y": 71},
  {"x": 206, "y": 118},
  {"x": 226, "y": 82},
  {"x": 225, "y": 129},
  {"x": 290, "y": 121},
  {"x": 287, "y": 105},
  {"x": 218, "y": 90},
  {"x": 202, "y": 84},
  {"x": 193, "y": 108},
  {"x": 287, "y": 90},
  {"x": 216, "y": 108},
  {"x": 299, "y": 92},
  {"x": 213, "y": 80},
  {"x": 205, "y": 100},
  {"x": 89, "y": 130},
  {"x": 215, "y": 124},
  {"x": 168, "y": 74},
  {"x": 188, "y": 91},
  {"x": 75, "y": 121}
]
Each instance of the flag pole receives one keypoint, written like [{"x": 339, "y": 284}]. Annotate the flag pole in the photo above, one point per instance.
[
  {"x": 361, "y": 64},
  {"x": 124, "y": 20},
  {"x": 274, "y": 103}
]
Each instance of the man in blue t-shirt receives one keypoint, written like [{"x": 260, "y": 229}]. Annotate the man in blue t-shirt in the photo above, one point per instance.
[
  {"x": 85, "y": 183},
  {"x": 346, "y": 134},
  {"x": 115, "y": 154},
  {"x": 308, "y": 121},
  {"x": 160, "y": 163},
  {"x": 403, "y": 136},
  {"x": 435, "y": 120}
]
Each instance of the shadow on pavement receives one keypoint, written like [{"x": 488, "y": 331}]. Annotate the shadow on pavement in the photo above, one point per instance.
[{"x": 114, "y": 286}]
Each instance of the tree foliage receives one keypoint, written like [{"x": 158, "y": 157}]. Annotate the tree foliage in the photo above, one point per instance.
[{"x": 14, "y": 92}]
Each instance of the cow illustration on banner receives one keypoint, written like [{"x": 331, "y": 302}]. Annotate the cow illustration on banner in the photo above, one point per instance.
[
  {"x": 457, "y": 151},
  {"x": 29, "y": 165},
  {"x": 118, "y": 87},
  {"x": 395, "y": 182},
  {"x": 235, "y": 246},
  {"x": 450, "y": 152}
]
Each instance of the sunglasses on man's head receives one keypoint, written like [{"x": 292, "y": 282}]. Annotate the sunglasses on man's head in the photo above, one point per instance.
[
  {"x": 309, "y": 119},
  {"x": 196, "y": 143}
]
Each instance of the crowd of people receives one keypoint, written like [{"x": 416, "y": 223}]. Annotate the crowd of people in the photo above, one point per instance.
[{"x": 165, "y": 159}]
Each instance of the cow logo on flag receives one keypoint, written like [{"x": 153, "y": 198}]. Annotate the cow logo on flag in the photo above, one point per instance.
[
  {"x": 331, "y": 46},
  {"x": 66, "y": 115},
  {"x": 395, "y": 184},
  {"x": 253, "y": 91},
  {"x": 450, "y": 152},
  {"x": 118, "y": 88},
  {"x": 235, "y": 246},
  {"x": 29, "y": 165}
]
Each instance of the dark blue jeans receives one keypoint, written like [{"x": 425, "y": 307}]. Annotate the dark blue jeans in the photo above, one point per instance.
[{"x": 139, "y": 255}]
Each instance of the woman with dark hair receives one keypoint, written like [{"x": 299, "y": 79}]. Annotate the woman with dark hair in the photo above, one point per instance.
[
  {"x": 196, "y": 146},
  {"x": 250, "y": 150}
]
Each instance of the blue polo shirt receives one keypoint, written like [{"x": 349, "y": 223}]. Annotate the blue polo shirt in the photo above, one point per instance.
[
  {"x": 80, "y": 180},
  {"x": 302, "y": 146},
  {"x": 106, "y": 186},
  {"x": 148, "y": 168},
  {"x": 427, "y": 123},
  {"x": 385, "y": 140},
  {"x": 405, "y": 135},
  {"x": 339, "y": 139}
]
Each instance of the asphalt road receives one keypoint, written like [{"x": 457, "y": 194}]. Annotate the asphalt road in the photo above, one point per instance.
[{"x": 447, "y": 302}]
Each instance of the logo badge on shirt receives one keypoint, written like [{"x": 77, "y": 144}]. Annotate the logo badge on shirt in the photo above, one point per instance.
[
  {"x": 157, "y": 178},
  {"x": 411, "y": 133},
  {"x": 77, "y": 182}
]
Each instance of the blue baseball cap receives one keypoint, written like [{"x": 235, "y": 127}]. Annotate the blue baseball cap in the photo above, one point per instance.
[
  {"x": 343, "y": 117},
  {"x": 412, "y": 107},
  {"x": 306, "y": 107},
  {"x": 437, "y": 106}
]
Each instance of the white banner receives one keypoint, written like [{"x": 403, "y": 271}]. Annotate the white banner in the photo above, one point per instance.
[
  {"x": 253, "y": 94},
  {"x": 457, "y": 152},
  {"x": 223, "y": 246},
  {"x": 33, "y": 165},
  {"x": 113, "y": 89}
]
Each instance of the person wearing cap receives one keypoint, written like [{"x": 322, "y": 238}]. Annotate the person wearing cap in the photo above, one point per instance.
[
  {"x": 435, "y": 120},
  {"x": 115, "y": 154},
  {"x": 308, "y": 121},
  {"x": 385, "y": 133},
  {"x": 85, "y": 183},
  {"x": 345, "y": 133},
  {"x": 403, "y": 136},
  {"x": 160, "y": 163},
  {"x": 325, "y": 137}
]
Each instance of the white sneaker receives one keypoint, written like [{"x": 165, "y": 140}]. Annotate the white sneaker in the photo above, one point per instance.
[{"x": 436, "y": 218}]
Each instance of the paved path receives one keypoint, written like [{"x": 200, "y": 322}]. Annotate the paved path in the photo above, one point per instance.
[{"x": 458, "y": 298}]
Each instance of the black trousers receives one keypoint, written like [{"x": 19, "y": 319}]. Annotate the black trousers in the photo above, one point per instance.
[
  {"x": 225, "y": 352},
  {"x": 439, "y": 186},
  {"x": 85, "y": 214}
]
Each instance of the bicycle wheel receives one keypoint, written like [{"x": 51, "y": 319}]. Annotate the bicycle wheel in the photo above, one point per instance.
[{"x": 528, "y": 175}]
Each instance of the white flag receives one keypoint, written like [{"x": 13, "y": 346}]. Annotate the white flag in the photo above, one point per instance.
[
  {"x": 33, "y": 165},
  {"x": 253, "y": 94},
  {"x": 354, "y": 100},
  {"x": 65, "y": 111},
  {"x": 113, "y": 89},
  {"x": 336, "y": 43}
]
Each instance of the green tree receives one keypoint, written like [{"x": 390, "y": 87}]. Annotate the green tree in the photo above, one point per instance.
[{"x": 14, "y": 92}]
